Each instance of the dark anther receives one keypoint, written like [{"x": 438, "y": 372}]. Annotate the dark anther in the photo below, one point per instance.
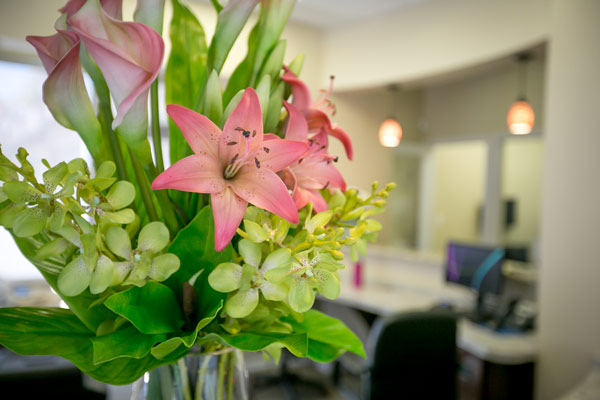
[
  {"x": 231, "y": 143},
  {"x": 300, "y": 160},
  {"x": 326, "y": 185},
  {"x": 253, "y": 133},
  {"x": 233, "y": 159},
  {"x": 336, "y": 159},
  {"x": 244, "y": 132},
  {"x": 322, "y": 147},
  {"x": 266, "y": 149},
  {"x": 256, "y": 162}
]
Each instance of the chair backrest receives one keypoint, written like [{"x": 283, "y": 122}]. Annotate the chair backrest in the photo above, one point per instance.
[{"x": 413, "y": 356}]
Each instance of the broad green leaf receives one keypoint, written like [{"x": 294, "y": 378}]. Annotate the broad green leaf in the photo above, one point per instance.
[
  {"x": 195, "y": 247},
  {"x": 56, "y": 331},
  {"x": 274, "y": 62},
  {"x": 231, "y": 106},
  {"x": 273, "y": 111},
  {"x": 163, "y": 349},
  {"x": 151, "y": 308},
  {"x": 184, "y": 74},
  {"x": 329, "y": 330},
  {"x": 225, "y": 277},
  {"x": 297, "y": 344},
  {"x": 125, "y": 342},
  {"x": 263, "y": 91},
  {"x": 296, "y": 64},
  {"x": 323, "y": 352}
]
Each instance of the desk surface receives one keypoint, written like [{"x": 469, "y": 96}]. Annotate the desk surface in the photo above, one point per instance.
[{"x": 391, "y": 287}]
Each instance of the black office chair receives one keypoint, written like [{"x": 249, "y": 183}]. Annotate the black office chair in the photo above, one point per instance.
[
  {"x": 413, "y": 356},
  {"x": 409, "y": 356}
]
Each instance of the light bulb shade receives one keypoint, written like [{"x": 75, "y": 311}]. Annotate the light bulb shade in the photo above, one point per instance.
[
  {"x": 390, "y": 133},
  {"x": 520, "y": 118}
]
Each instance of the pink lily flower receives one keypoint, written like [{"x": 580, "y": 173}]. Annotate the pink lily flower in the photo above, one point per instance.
[
  {"x": 234, "y": 165},
  {"x": 64, "y": 91},
  {"x": 317, "y": 113},
  {"x": 129, "y": 54},
  {"x": 314, "y": 170}
]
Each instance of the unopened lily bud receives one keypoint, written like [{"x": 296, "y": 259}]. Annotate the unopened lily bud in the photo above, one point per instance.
[
  {"x": 390, "y": 186},
  {"x": 374, "y": 186},
  {"x": 384, "y": 195},
  {"x": 380, "y": 203}
]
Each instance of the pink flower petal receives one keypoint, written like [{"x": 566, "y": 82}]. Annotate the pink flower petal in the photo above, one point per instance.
[
  {"x": 303, "y": 196},
  {"x": 318, "y": 175},
  {"x": 228, "y": 210},
  {"x": 129, "y": 54},
  {"x": 51, "y": 49},
  {"x": 318, "y": 120},
  {"x": 114, "y": 8},
  {"x": 278, "y": 153},
  {"x": 297, "y": 127},
  {"x": 196, "y": 173},
  {"x": 263, "y": 188},
  {"x": 200, "y": 132},
  {"x": 247, "y": 116},
  {"x": 302, "y": 98}
]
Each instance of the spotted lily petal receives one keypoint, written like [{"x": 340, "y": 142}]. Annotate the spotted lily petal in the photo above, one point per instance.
[
  {"x": 196, "y": 173},
  {"x": 201, "y": 133}
]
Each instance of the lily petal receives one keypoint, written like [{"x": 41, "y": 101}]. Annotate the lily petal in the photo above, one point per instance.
[
  {"x": 297, "y": 127},
  {"x": 302, "y": 98},
  {"x": 129, "y": 54},
  {"x": 196, "y": 173},
  {"x": 247, "y": 116},
  {"x": 228, "y": 210},
  {"x": 200, "y": 132},
  {"x": 318, "y": 120},
  {"x": 263, "y": 188},
  {"x": 304, "y": 196},
  {"x": 279, "y": 153}
]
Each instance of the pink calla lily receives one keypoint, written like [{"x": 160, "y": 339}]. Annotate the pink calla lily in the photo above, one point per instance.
[
  {"x": 114, "y": 8},
  {"x": 235, "y": 165},
  {"x": 314, "y": 170},
  {"x": 316, "y": 113},
  {"x": 129, "y": 54},
  {"x": 64, "y": 91}
]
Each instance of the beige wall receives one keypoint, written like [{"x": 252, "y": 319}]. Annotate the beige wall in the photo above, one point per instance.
[
  {"x": 431, "y": 38},
  {"x": 569, "y": 322}
]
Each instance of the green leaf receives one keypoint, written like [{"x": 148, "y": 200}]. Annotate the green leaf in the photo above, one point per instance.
[
  {"x": 185, "y": 71},
  {"x": 231, "y": 106},
  {"x": 56, "y": 331},
  {"x": 273, "y": 112},
  {"x": 151, "y": 308},
  {"x": 212, "y": 101},
  {"x": 263, "y": 91},
  {"x": 195, "y": 247},
  {"x": 325, "y": 329},
  {"x": 125, "y": 342},
  {"x": 274, "y": 62},
  {"x": 297, "y": 343}
]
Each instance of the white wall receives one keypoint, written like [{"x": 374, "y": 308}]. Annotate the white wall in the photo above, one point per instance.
[
  {"x": 431, "y": 38},
  {"x": 569, "y": 295}
]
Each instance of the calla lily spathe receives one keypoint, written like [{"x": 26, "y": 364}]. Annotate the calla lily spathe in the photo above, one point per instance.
[
  {"x": 114, "y": 8},
  {"x": 234, "y": 165},
  {"x": 314, "y": 170},
  {"x": 129, "y": 54},
  {"x": 316, "y": 112},
  {"x": 64, "y": 91}
]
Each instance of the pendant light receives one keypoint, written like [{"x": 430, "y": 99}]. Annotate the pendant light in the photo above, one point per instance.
[
  {"x": 520, "y": 117},
  {"x": 390, "y": 131}
]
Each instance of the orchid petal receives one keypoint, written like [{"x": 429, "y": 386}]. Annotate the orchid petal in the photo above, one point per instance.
[
  {"x": 200, "y": 132},
  {"x": 196, "y": 173},
  {"x": 263, "y": 188},
  {"x": 242, "y": 303},
  {"x": 297, "y": 127},
  {"x": 302, "y": 98},
  {"x": 228, "y": 210},
  {"x": 279, "y": 153},
  {"x": 129, "y": 54},
  {"x": 246, "y": 116}
]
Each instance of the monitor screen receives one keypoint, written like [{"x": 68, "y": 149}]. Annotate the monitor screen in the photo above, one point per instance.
[{"x": 477, "y": 267}]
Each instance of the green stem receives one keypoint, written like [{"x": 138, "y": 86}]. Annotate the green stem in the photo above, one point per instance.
[
  {"x": 106, "y": 115},
  {"x": 156, "y": 127},
  {"x": 201, "y": 378},
  {"x": 144, "y": 188},
  {"x": 230, "y": 376},
  {"x": 221, "y": 375}
]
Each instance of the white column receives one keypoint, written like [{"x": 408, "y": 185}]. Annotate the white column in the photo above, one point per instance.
[{"x": 569, "y": 282}]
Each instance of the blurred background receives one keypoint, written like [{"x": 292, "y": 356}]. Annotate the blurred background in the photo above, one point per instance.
[{"x": 447, "y": 72}]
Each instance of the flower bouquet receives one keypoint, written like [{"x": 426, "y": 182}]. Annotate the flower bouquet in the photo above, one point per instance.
[{"x": 227, "y": 247}]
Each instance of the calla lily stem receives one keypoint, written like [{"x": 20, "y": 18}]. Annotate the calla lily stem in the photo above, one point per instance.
[{"x": 158, "y": 154}]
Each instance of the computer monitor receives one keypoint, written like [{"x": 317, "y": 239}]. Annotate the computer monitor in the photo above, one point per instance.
[{"x": 475, "y": 266}]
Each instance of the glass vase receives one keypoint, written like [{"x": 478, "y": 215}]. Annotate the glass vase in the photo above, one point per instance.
[{"x": 219, "y": 375}]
